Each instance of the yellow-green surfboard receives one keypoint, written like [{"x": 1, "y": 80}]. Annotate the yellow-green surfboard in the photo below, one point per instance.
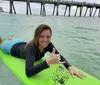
[{"x": 55, "y": 75}]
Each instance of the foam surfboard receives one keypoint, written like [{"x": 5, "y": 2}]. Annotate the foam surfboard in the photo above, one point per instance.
[{"x": 55, "y": 75}]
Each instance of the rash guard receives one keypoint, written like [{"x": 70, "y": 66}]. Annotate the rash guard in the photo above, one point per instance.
[{"x": 32, "y": 54}]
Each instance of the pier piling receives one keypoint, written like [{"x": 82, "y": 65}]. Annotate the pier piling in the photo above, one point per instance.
[{"x": 57, "y": 3}]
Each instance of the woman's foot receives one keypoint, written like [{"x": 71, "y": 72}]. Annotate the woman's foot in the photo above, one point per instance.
[
  {"x": 1, "y": 40},
  {"x": 11, "y": 38}
]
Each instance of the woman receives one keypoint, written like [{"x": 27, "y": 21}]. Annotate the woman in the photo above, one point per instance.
[{"x": 35, "y": 50}]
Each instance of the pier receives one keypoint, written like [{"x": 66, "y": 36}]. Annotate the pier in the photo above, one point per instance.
[
  {"x": 1, "y": 9},
  {"x": 68, "y": 5}
]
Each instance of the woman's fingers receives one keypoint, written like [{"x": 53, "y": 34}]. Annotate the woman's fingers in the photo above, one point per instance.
[
  {"x": 53, "y": 52},
  {"x": 59, "y": 59},
  {"x": 56, "y": 57},
  {"x": 75, "y": 72},
  {"x": 62, "y": 62},
  {"x": 72, "y": 74},
  {"x": 80, "y": 75}
]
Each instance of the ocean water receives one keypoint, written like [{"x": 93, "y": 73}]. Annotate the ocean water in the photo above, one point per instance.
[{"x": 76, "y": 38}]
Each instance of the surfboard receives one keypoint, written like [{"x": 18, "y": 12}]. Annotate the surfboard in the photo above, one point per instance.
[{"x": 55, "y": 75}]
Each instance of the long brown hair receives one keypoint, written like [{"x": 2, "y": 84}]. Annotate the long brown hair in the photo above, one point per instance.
[{"x": 37, "y": 33}]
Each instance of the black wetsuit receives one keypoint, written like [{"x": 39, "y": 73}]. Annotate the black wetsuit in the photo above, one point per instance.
[{"x": 33, "y": 54}]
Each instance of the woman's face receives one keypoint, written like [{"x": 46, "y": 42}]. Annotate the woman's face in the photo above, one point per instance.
[{"x": 44, "y": 39}]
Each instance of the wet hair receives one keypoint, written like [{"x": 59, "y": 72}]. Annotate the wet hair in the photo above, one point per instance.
[{"x": 37, "y": 33}]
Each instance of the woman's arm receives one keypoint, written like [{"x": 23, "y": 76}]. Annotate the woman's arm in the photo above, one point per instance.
[
  {"x": 50, "y": 47},
  {"x": 32, "y": 69},
  {"x": 67, "y": 65}
]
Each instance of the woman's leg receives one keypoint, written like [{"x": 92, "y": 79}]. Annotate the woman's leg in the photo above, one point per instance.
[
  {"x": 7, "y": 45},
  {"x": 11, "y": 38}
]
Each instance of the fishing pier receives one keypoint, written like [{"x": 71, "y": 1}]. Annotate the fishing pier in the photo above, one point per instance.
[{"x": 68, "y": 5}]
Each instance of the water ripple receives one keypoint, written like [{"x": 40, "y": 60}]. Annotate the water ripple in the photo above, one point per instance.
[
  {"x": 90, "y": 29},
  {"x": 85, "y": 38}
]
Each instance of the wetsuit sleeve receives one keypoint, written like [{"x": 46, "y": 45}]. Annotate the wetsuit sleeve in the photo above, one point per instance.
[
  {"x": 51, "y": 46},
  {"x": 32, "y": 69}
]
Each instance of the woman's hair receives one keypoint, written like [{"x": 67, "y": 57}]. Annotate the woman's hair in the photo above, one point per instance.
[
  {"x": 37, "y": 33},
  {"x": 0, "y": 40}
]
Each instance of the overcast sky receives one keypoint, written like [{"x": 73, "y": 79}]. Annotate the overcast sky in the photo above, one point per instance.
[
  {"x": 21, "y": 7},
  {"x": 92, "y": 1}
]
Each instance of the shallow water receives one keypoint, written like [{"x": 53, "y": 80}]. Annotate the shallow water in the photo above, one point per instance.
[{"x": 76, "y": 38}]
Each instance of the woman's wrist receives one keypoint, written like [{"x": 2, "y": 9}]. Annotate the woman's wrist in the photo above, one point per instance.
[
  {"x": 70, "y": 67},
  {"x": 48, "y": 61}
]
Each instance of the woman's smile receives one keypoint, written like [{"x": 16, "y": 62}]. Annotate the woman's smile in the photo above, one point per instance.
[{"x": 44, "y": 39}]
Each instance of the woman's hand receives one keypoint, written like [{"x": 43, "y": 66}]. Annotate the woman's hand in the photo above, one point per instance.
[
  {"x": 54, "y": 58},
  {"x": 75, "y": 72}
]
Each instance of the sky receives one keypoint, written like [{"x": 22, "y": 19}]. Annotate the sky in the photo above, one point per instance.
[
  {"x": 21, "y": 6},
  {"x": 93, "y": 1},
  {"x": 90, "y": 1}
]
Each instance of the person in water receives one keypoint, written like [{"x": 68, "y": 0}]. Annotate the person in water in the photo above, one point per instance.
[{"x": 35, "y": 50}]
